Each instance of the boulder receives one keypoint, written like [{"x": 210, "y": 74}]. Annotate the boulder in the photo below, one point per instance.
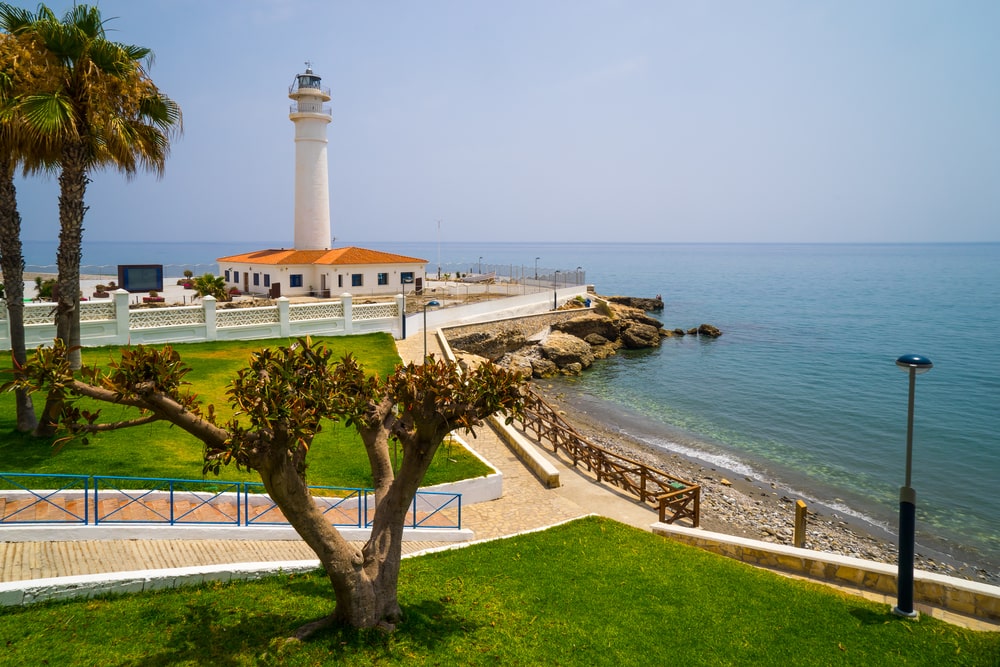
[
  {"x": 706, "y": 330},
  {"x": 588, "y": 325},
  {"x": 543, "y": 368},
  {"x": 639, "y": 335},
  {"x": 709, "y": 330},
  {"x": 596, "y": 340},
  {"x": 517, "y": 363},
  {"x": 562, "y": 349}
]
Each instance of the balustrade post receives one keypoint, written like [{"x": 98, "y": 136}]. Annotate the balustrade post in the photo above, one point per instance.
[
  {"x": 284, "y": 324},
  {"x": 346, "y": 301},
  {"x": 122, "y": 332},
  {"x": 401, "y": 311},
  {"x": 208, "y": 303}
]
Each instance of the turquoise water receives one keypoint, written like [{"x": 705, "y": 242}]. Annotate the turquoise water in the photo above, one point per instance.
[{"x": 802, "y": 386}]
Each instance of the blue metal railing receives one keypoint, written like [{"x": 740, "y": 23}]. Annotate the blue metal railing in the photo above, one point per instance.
[
  {"x": 26, "y": 505},
  {"x": 150, "y": 500},
  {"x": 171, "y": 501}
]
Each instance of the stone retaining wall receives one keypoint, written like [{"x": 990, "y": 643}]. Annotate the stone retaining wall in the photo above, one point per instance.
[{"x": 528, "y": 325}]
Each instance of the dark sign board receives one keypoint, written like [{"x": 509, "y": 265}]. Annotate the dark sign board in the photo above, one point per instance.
[{"x": 140, "y": 277}]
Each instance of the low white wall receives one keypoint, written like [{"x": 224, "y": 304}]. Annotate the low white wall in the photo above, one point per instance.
[{"x": 114, "y": 323}]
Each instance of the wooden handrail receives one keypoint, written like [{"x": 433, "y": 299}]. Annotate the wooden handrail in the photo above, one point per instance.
[{"x": 673, "y": 497}]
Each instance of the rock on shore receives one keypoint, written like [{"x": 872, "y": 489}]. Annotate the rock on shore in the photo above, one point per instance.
[{"x": 570, "y": 346}]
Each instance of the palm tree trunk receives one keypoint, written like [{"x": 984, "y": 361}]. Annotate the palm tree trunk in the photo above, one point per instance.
[
  {"x": 12, "y": 266},
  {"x": 72, "y": 188}
]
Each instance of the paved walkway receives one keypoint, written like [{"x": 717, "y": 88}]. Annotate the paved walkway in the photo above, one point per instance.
[{"x": 526, "y": 504}]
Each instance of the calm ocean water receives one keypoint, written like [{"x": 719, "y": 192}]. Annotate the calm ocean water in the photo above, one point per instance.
[{"x": 802, "y": 387}]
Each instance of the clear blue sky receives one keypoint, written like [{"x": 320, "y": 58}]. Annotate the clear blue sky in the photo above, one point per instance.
[{"x": 549, "y": 120}]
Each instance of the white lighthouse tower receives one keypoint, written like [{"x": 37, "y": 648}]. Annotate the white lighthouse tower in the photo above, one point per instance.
[{"x": 312, "y": 189}]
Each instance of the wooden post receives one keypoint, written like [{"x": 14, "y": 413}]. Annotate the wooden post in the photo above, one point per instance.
[{"x": 799, "y": 537}]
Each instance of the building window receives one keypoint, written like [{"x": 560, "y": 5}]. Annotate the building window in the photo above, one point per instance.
[
  {"x": 236, "y": 277},
  {"x": 256, "y": 279},
  {"x": 383, "y": 279},
  {"x": 295, "y": 280},
  {"x": 267, "y": 280},
  {"x": 340, "y": 281},
  {"x": 227, "y": 276},
  {"x": 357, "y": 279},
  {"x": 406, "y": 277}
]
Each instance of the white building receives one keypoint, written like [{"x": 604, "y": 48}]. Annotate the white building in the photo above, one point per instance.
[
  {"x": 313, "y": 268},
  {"x": 322, "y": 273}
]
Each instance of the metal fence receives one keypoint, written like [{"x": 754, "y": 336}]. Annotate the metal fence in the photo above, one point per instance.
[{"x": 27, "y": 498}]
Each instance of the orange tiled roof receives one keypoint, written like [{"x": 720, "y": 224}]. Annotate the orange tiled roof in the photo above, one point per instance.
[{"x": 350, "y": 255}]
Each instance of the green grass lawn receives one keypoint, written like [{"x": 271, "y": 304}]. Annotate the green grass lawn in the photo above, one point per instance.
[
  {"x": 159, "y": 450},
  {"x": 591, "y": 592}
]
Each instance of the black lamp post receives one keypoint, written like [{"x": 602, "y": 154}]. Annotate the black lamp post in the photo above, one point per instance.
[
  {"x": 480, "y": 265},
  {"x": 555, "y": 290},
  {"x": 914, "y": 364},
  {"x": 429, "y": 303}
]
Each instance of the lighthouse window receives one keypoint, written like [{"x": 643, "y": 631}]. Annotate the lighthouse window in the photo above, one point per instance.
[
  {"x": 383, "y": 279},
  {"x": 295, "y": 280},
  {"x": 406, "y": 277},
  {"x": 357, "y": 279}
]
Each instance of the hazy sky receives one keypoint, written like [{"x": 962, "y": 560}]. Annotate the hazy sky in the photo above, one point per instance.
[{"x": 577, "y": 120}]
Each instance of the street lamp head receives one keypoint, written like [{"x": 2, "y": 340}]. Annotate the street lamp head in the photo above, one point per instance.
[
  {"x": 914, "y": 362},
  {"x": 432, "y": 303}
]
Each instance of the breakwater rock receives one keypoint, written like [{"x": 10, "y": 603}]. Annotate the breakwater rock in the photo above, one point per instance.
[
  {"x": 567, "y": 344},
  {"x": 649, "y": 305}
]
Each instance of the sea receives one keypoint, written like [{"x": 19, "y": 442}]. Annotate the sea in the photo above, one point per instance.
[{"x": 802, "y": 387}]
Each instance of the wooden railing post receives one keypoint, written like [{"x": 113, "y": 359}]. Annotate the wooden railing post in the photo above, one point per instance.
[{"x": 799, "y": 536}]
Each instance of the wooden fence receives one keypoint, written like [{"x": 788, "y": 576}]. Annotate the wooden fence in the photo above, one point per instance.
[{"x": 675, "y": 498}]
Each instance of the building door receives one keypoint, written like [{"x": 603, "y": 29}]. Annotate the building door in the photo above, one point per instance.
[
  {"x": 246, "y": 282},
  {"x": 419, "y": 286}
]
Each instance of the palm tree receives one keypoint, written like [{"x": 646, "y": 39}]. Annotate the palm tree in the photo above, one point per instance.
[
  {"x": 23, "y": 69},
  {"x": 105, "y": 112},
  {"x": 210, "y": 285}
]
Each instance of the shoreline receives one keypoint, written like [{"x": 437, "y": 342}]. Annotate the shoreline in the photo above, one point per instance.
[{"x": 734, "y": 503}]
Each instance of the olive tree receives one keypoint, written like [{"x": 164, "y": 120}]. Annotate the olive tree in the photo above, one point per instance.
[{"x": 281, "y": 400}]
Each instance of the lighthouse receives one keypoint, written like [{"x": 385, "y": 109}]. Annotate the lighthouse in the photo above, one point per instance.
[
  {"x": 312, "y": 188},
  {"x": 311, "y": 268}
]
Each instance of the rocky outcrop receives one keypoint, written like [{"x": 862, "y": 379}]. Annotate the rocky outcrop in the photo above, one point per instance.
[
  {"x": 568, "y": 346},
  {"x": 649, "y": 305},
  {"x": 590, "y": 324}
]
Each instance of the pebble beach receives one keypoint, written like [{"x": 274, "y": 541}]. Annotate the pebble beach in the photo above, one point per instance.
[{"x": 735, "y": 504}]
